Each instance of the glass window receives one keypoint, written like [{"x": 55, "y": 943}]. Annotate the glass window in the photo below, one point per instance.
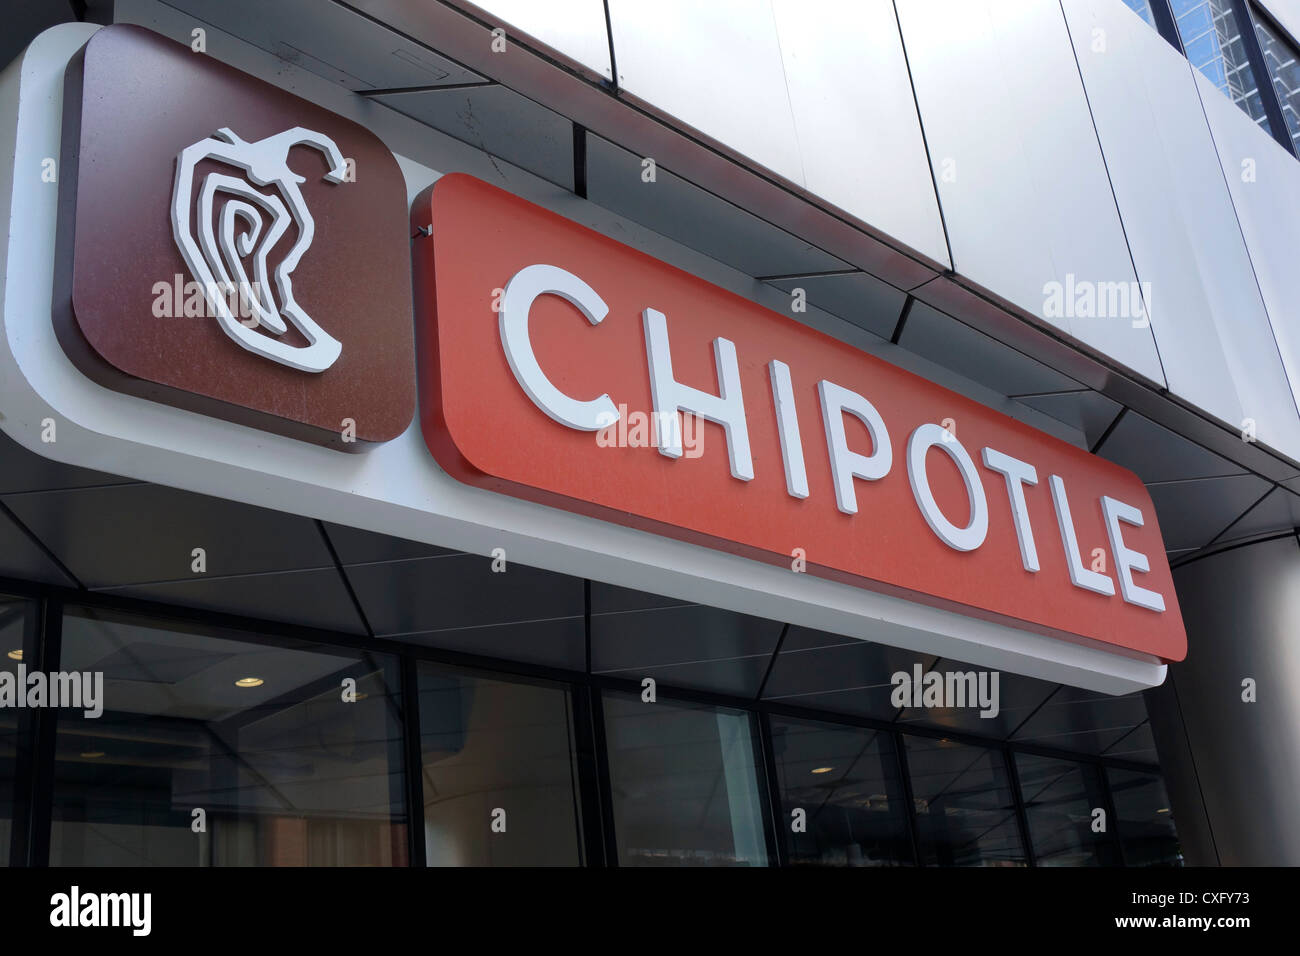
[
  {"x": 1145, "y": 824},
  {"x": 216, "y": 751},
  {"x": 13, "y": 613},
  {"x": 1284, "y": 70},
  {"x": 846, "y": 782},
  {"x": 1059, "y": 798},
  {"x": 685, "y": 784},
  {"x": 965, "y": 811},
  {"x": 499, "y": 771},
  {"x": 1142, "y": 8},
  {"x": 1214, "y": 43}
]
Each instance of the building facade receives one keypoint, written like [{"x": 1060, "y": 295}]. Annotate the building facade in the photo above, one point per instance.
[{"x": 437, "y": 434}]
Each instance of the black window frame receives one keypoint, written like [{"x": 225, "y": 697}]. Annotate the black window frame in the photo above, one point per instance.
[{"x": 34, "y": 778}]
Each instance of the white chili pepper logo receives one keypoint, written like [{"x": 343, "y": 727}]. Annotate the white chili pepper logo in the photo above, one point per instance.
[{"x": 217, "y": 255}]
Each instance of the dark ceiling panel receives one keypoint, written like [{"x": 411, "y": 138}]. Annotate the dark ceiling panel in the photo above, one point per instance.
[
  {"x": 682, "y": 211},
  {"x": 1138, "y": 745},
  {"x": 1083, "y": 721},
  {"x": 691, "y": 646},
  {"x": 25, "y": 19},
  {"x": 315, "y": 598},
  {"x": 499, "y": 121},
  {"x": 856, "y": 297},
  {"x": 355, "y": 546},
  {"x": 331, "y": 41},
  {"x": 609, "y": 597},
  {"x": 141, "y": 533},
  {"x": 21, "y": 558},
  {"x": 561, "y": 642},
  {"x": 1085, "y": 411},
  {"x": 979, "y": 357},
  {"x": 837, "y": 673},
  {"x": 460, "y": 590},
  {"x": 22, "y": 470},
  {"x": 1194, "y": 513},
  {"x": 1017, "y": 697},
  {"x": 1278, "y": 511},
  {"x": 1155, "y": 453}
]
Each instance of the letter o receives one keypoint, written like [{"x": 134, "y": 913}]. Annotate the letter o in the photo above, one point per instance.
[{"x": 960, "y": 539}]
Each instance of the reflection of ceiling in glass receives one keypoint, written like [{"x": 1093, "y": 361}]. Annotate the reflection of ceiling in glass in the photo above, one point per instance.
[{"x": 151, "y": 670}]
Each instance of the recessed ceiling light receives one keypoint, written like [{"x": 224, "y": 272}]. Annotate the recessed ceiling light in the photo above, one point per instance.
[
  {"x": 16, "y": 654},
  {"x": 249, "y": 682},
  {"x": 92, "y": 754},
  {"x": 1163, "y": 810},
  {"x": 822, "y": 769}
]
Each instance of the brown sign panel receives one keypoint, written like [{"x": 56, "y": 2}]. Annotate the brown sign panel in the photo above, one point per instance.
[{"x": 229, "y": 248}]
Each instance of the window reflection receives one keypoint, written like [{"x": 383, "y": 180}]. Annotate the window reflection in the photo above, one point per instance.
[
  {"x": 1060, "y": 799},
  {"x": 1145, "y": 823},
  {"x": 685, "y": 784},
  {"x": 846, "y": 782},
  {"x": 965, "y": 812},
  {"x": 12, "y": 617},
  {"x": 1213, "y": 40},
  {"x": 1142, "y": 8},
  {"x": 213, "y": 751},
  {"x": 497, "y": 752},
  {"x": 1284, "y": 71}
]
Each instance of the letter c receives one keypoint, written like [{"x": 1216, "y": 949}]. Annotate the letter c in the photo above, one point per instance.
[{"x": 517, "y": 301}]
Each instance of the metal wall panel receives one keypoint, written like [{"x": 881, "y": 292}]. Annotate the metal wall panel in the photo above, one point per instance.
[
  {"x": 1285, "y": 12},
  {"x": 715, "y": 67},
  {"x": 1240, "y": 607},
  {"x": 1215, "y": 342},
  {"x": 859, "y": 134},
  {"x": 575, "y": 29},
  {"x": 1021, "y": 180},
  {"x": 1264, "y": 180}
]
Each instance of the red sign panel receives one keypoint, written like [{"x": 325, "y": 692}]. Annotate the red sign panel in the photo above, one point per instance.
[{"x": 561, "y": 366}]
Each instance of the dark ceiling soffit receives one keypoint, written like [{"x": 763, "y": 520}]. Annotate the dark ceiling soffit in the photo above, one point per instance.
[
  {"x": 1011, "y": 326},
  {"x": 599, "y": 109}
]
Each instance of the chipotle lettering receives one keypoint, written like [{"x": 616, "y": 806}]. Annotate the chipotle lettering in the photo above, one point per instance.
[{"x": 560, "y": 366}]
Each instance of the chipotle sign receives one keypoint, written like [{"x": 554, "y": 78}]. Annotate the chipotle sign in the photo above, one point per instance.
[
  {"x": 560, "y": 366},
  {"x": 229, "y": 248}
]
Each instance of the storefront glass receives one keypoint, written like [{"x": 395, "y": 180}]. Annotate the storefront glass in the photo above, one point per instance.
[
  {"x": 965, "y": 808},
  {"x": 13, "y": 613},
  {"x": 1065, "y": 804},
  {"x": 685, "y": 783},
  {"x": 237, "y": 747},
  {"x": 845, "y": 780},
  {"x": 498, "y": 771},
  {"x": 1145, "y": 821},
  {"x": 214, "y": 751}
]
